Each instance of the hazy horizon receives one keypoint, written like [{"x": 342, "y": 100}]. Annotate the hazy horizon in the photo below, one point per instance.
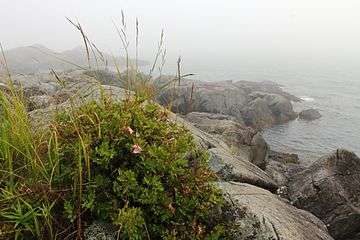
[{"x": 253, "y": 31}]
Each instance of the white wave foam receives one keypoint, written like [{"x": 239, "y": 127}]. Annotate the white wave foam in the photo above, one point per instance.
[{"x": 307, "y": 99}]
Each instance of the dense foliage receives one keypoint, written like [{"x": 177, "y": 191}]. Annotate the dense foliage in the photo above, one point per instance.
[{"x": 123, "y": 163}]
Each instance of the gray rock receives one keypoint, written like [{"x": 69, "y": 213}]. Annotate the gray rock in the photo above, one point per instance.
[
  {"x": 259, "y": 150},
  {"x": 76, "y": 95},
  {"x": 242, "y": 100},
  {"x": 309, "y": 114},
  {"x": 243, "y": 141},
  {"x": 281, "y": 167},
  {"x": 3, "y": 87},
  {"x": 266, "y": 87},
  {"x": 40, "y": 101},
  {"x": 231, "y": 168},
  {"x": 38, "y": 84},
  {"x": 205, "y": 98},
  {"x": 258, "y": 114},
  {"x": 100, "y": 231},
  {"x": 277, "y": 219},
  {"x": 265, "y": 110},
  {"x": 204, "y": 139},
  {"x": 281, "y": 108},
  {"x": 285, "y": 158},
  {"x": 330, "y": 189},
  {"x": 222, "y": 160},
  {"x": 281, "y": 173},
  {"x": 278, "y": 172},
  {"x": 213, "y": 123}
]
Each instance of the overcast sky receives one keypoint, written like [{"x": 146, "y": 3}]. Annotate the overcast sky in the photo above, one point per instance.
[{"x": 195, "y": 29}]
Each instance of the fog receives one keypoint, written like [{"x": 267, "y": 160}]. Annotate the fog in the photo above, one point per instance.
[{"x": 201, "y": 30}]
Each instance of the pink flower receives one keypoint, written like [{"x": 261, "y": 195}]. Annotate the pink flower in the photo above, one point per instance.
[
  {"x": 129, "y": 130},
  {"x": 136, "y": 149}
]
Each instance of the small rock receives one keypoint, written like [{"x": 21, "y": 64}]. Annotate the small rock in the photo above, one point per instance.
[
  {"x": 309, "y": 114},
  {"x": 39, "y": 102},
  {"x": 284, "y": 158},
  {"x": 100, "y": 231}
]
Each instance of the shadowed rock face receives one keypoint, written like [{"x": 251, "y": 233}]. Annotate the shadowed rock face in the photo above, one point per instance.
[
  {"x": 285, "y": 158},
  {"x": 330, "y": 189},
  {"x": 264, "y": 110},
  {"x": 281, "y": 166}
]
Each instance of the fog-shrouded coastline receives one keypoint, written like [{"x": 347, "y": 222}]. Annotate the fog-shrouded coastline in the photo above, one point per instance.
[
  {"x": 180, "y": 119},
  {"x": 333, "y": 89},
  {"x": 223, "y": 113},
  {"x": 330, "y": 87}
]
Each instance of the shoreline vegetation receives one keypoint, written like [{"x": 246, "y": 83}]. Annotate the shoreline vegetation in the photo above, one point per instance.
[
  {"x": 122, "y": 163},
  {"x": 95, "y": 154}
]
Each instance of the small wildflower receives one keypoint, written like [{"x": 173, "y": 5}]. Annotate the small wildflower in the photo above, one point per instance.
[
  {"x": 186, "y": 190},
  {"x": 200, "y": 230},
  {"x": 171, "y": 208},
  {"x": 136, "y": 149},
  {"x": 25, "y": 189},
  {"x": 128, "y": 130}
]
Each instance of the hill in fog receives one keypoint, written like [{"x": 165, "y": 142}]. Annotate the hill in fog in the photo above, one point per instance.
[{"x": 38, "y": 58}]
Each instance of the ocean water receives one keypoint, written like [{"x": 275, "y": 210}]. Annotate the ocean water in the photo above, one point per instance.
[{"x": 333, "y": 90}]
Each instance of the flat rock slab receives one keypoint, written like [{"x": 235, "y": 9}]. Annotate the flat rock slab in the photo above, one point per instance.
[
  {"x": 231, "y": 168},
  {"x": 285, "y": 221}
]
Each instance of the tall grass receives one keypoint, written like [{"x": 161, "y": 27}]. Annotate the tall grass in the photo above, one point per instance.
[
  {"x": 19, "y": 159},
  {"x": 17, "y": 140}
]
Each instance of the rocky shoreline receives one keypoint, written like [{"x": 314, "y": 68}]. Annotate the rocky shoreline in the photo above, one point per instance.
[
  {"x": 255, "y": 104},
  {"x": 273, "y": 192}
]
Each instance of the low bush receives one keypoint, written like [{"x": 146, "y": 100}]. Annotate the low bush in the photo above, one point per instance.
[{"x": 124, "y": 163}]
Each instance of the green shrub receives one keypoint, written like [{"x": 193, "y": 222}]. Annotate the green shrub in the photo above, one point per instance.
[
  {"x": 128, "y": 164},
  {"x": 122, "y": 163}
]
